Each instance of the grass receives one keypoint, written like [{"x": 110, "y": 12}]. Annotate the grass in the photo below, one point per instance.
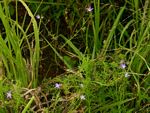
[{"x": 86, "y": 57}]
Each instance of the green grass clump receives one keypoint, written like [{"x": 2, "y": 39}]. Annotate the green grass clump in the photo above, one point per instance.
[
  {"x": 74, "y": 56},
  {"x": 11, "y": 49}
]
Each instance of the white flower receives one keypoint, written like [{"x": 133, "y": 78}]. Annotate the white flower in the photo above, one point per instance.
[
  {"x": 82, "y": 97},
  {"x": 126, "y": 75},
  {"x": 9, "y": 95},
  {"x": 39, "y": 17},
  {"x": 81, "y": 85}
]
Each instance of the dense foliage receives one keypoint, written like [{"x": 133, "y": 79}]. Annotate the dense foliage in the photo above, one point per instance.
[{"x": 74, "y": 56}]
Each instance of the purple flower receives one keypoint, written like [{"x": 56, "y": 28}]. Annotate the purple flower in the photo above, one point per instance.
[
  {"x": 9, "y": 95},
  {"x": 89, "y": 9},
  {"x": 123, "y": 65},
  {"x": 57, "y": 85}
]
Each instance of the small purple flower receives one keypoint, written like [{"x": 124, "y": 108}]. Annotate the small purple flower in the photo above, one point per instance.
[
  {"x": 9, "y": 95},
  {"x": 82, "y": 97},
  {"x": 57, "y": 85},
  {"x": 123, "y": 65},
  {"x": 89, "y": 8}
]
